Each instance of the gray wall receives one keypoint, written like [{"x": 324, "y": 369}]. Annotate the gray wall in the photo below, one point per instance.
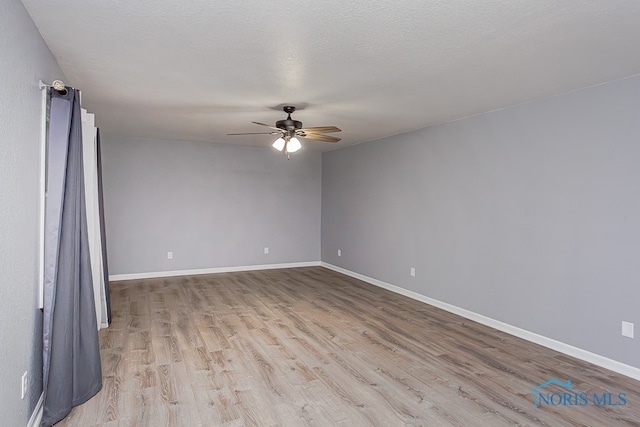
[
  {"x": 213, "y": 205},
  {"x": 24, "y": 59},
  {"x": 528, "y": 215}
]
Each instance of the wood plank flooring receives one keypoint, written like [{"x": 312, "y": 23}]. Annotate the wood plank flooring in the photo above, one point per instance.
[{"x": 309, "y": 346}]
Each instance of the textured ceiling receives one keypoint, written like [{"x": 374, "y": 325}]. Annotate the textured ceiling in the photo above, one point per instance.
[{"x": 199, "y": 69}]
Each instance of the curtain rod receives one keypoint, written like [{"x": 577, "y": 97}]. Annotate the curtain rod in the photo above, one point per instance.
[{"x": 57, "y": 85}]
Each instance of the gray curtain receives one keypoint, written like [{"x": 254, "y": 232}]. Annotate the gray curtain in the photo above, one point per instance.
[
  {"x": 71, "y": 356},
  {"x": 103, "y": 231}
]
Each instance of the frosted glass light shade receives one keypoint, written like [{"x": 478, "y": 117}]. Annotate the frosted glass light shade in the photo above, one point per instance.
[
  {"x": 293, "y": 145},
  {"x": 278, "y": 144}
]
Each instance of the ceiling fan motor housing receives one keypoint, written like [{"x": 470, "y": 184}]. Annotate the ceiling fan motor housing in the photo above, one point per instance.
[{"x": 288, "y": 123}]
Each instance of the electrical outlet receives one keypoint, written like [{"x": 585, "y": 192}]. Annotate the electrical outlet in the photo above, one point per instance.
[
  {"x": 627, "y": 329},
  {"x": 25, "y": 383},
  {"x": 412, "y": 271},
  {"x": 169, "y": 255},
  {"x": 339, "y": 252},
  {"x": 266, "y": 250}
]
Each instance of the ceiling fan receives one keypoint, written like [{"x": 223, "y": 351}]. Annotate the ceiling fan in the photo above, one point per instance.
[{"x": 289, "y": 130}]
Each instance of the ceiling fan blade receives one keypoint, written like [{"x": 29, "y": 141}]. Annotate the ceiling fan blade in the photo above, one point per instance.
[
  {"x": 318, "y": 137},
  {"x": 321, "y": 129},
  {"x": 269, "y": 126},
  {"x": 255, "y": 133}
]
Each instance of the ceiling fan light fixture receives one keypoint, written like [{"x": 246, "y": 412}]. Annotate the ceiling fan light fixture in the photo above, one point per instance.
[
  {"x": 293, "y": 145},
  {"x": 278, "y": 144}
]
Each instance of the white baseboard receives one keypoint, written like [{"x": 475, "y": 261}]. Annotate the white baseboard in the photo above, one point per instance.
[
  {"x": 36, "y": 415},
  {"x": 578, "y": 353},
  {"x": 156, "y": 274}
]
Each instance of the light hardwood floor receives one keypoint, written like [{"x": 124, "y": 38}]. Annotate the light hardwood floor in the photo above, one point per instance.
[{"x": 310, "y": 346}]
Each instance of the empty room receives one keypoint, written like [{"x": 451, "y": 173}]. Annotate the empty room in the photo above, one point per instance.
[{"x": 378, "y": 213}]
